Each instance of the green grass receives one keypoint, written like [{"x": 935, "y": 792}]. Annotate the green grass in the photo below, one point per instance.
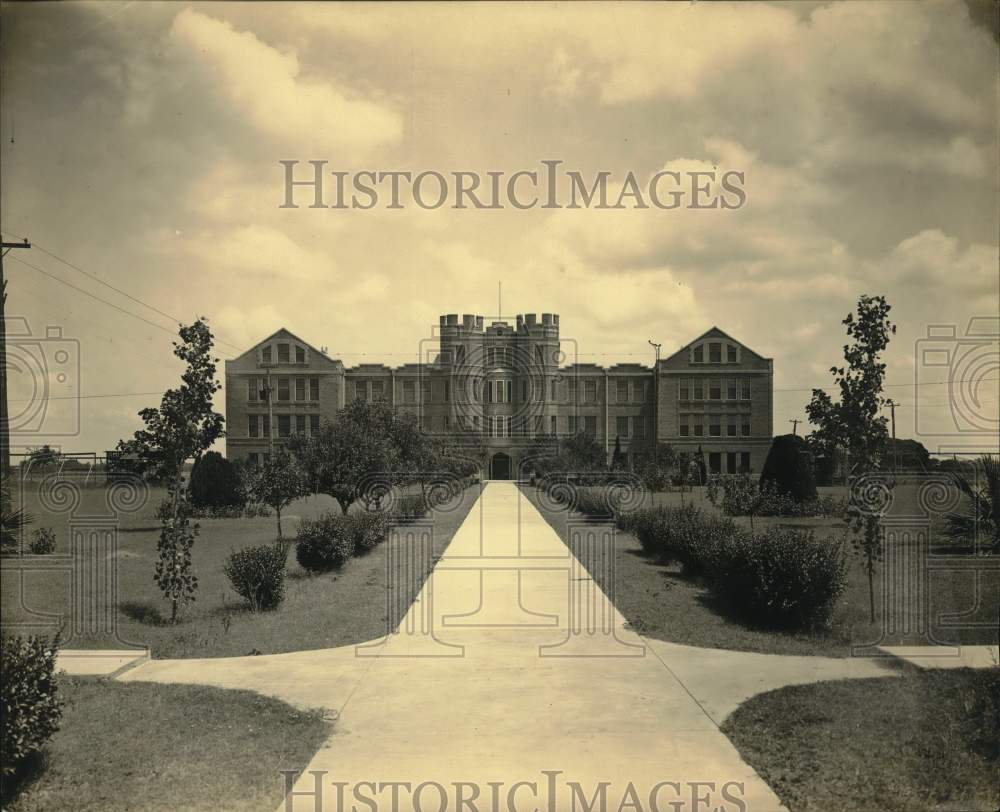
[
  {"x": 920, "y": 742},
  {"x": 319, "y": 611},
  {"x": 661, "y": 603},
  {"x": 164, "y": 747}
]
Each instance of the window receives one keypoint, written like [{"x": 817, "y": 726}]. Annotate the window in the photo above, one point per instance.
[
  {"x": 314, "y": 389},
  {"x": 572, "y": 425},
  {"x": 639, "y": 427},
  {"x": 498, "y": 391},
  {"x": 645, "y": 390},
  {"x": 731, "y": 389},
  {"x": 699, "y": 391},
  {"x": 590, "y": 425},
  {"x": 744, "y": 462},
  {"x": 731, "y": 428},
  {"x": 731, "y": 353},
  {"x": 684, "y": 390},
  {"x": 715, "y": 389},
  {"x": 447, "y": 391},
  {"x": 265, "y": 421},
  {"x": 475, "y": 388},
  {"x": 409, "y": 392},
  {"x": 524, "y": 391},
  {"x": 699, "y": 429},
  {"x": 378, "y": 390},
  {"x": 715, "y": 353},
  {"x": 698, "y": 356},
  {"x": 360, "y": 390},
  {"x": 590, "y": 391},
  {"x": 300, "y": 388},
  {"x": 731, "y": 462},
  {"x": 253, "y": 426},
  {"x": 555, "y": 395},
  {"x": 744, "y": 389},
  {"x": 283, "y": 356},
  {"x": 300, "y": 354},
  {"x": 284, "y": 425},
  {"x": 300, "y": 424},
  {"x": 715, "y": 462},
  {"x": 621, "y": 426},
  {"x": 460, "y": 354},
  {"x": 265, "y": 354},
  {"x": 572, "y": 391},
  {"x": 253, "y": 390},
  {"x": 425, "y": 423},
  {"x": 685, "y": 429},
  {"x": 425, "y": 391},
  {"x": 447, "y": 422},
  {"x": 254, "y": 458},
  {"x": 313, "y": 423},
  {"x": 553, "y": 425},
  {"x": 539, "y": 425},
  {"x": 540, "y": 354},
  {"x": 622, "y": 392},
  {"x": 475, "y": 423},
  {"x": 283, "y": 390},
  {"x": 745, "y": 428},
  {"x": 715, "y": 426}
]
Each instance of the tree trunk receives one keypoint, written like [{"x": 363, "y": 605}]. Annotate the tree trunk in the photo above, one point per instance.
[
  {"x": 277, "y": 510},
  {"x": 173, "y": 530},
  {"x": 871, "y": 592}
]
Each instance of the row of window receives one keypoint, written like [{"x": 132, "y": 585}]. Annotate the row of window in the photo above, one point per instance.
[
  {"x": 521, "y": 425},
  {"x": 713, "y": 352},
  {"x": 736, "y": 462},
  {"x": 695, "y": 426},
  {"x": 502, "y": 390},
  {"x": 305, "y": 389},
  {"x": 284, "y": 353},
  {"x": 713, "y": 388},
  {"x": 503, "y": 357},
  {"x": 259, "y": 425}
]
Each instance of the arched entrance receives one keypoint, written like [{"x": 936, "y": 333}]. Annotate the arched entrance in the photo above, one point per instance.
[{"x": 500, "y": 466}]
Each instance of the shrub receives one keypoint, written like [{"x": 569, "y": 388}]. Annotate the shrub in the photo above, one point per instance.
[
  {"x": 789, "y": 468},
  {"x": 30, "y": 700},
  {"x": 593, "y": 502},
  {"x": 782, "y": 577},
  {"x": 366, "y": 529},
  {"x": 740, "y": 495},
  {"x": 409, "y": 508},
  {"x": 257, "y": 575},
  {"x": 43, "y": 541},
  {"x": 215, "y": 483},
  {"x": 324, "y": 544}
]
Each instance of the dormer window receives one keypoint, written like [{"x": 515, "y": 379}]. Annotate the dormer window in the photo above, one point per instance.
[
  {"x": 715, "y": 353},
  {"x": 265, "y": 354},
  {"x": 698, "y": 356},
  {"x": 283, "y": 354},
  {"x": 731, "y": 354},
  {"x": 300, "y": 354}
]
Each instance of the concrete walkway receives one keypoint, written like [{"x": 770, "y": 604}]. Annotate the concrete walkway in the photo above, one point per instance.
[{"x": 512, "y": 666}]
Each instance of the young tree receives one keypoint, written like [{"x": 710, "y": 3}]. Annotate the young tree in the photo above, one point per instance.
[
  {"x": 856, "y": 422},
  {"x": 184, "y": 426},
  {"x": 277, "y": 482},
  {"x": 617, "y": 464}
]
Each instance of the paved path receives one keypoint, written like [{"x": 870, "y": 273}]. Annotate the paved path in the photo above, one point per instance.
[{"x": 488, "y": 683}]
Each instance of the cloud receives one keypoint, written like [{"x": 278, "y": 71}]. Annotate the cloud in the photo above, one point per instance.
[{"x": 270, "y": 91}]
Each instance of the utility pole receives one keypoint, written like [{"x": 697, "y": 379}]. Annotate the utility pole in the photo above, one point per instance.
[
  {"x": 266, "y": 392},
  {"x": 5, "y": 247},
  {"x": 795, "y": 426},
  {"x": 895, "y": 454},
  {"x": 656, "y": 400}
]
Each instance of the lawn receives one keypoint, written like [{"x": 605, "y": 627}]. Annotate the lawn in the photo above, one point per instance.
[
  {"x": 332, "y": 609},
  {"x": 164, "y": 747},
  {"x": 927, "y": 740},
  {"x": 660, "y": 602}
]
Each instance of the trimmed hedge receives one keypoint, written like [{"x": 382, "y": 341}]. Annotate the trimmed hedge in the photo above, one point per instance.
[
  {"x": 788, "y": 468},
  {"x": 409, "y": 508},
  {"x": 257, "y": 575},
  {"x": 779, "y": 578},
  {"x": 31, "y": 708},
  {"x": 215, "y": 483},
  {"x": 366, "y": 529}
]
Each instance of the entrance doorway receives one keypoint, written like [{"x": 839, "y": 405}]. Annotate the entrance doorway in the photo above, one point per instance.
[{"x": 500, "y": 466}]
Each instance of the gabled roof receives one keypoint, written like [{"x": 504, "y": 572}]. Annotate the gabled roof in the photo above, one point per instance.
[
  {"x": 283, "y": 332},
  {"x": 713, "y": 332}
]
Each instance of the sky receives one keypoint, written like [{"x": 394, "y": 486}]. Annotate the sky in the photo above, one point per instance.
[{"x": 141, "y": 146}]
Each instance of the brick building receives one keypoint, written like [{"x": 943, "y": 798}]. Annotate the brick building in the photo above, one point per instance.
[{"x": 501, "y": 385}]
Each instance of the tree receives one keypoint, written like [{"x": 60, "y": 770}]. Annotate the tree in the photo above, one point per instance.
[
  {"x": 789, "y": 468},
  {"x": 656, "y": 467},
  {"x": 184, "y": 426},
  {"x": 855, "y": 420},
  {"x": 980, "y": 519},
  {"x": 215, "y": 482},
  {"x": 617, "y": 464},
  {"x": 41, "y": 459},
  {"x": 277, "y": 482},
  {"x": 341, "y": 457}
]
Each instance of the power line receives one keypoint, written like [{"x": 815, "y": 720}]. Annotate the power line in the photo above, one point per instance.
[{"x": 91, "y": 397}]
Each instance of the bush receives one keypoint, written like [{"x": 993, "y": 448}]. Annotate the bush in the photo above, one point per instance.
[
  {"x": 789, "y": 468},
  {"x": 257, "y": 575},
  {"x": 409, "y": 508},
  {"x": 324, "y": 544},
  {"x": 215, "y": 483},
  {"x": 782, "y": 577},
  {"x": 30, "y": 700},
  {"x": 366, "y": 529},
  {"x": 740, "y": 495},
  {"x": 43, "y": 541}
]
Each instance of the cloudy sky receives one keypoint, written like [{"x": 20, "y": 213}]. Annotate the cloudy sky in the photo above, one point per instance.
[{"x": 141, "y": 141}]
